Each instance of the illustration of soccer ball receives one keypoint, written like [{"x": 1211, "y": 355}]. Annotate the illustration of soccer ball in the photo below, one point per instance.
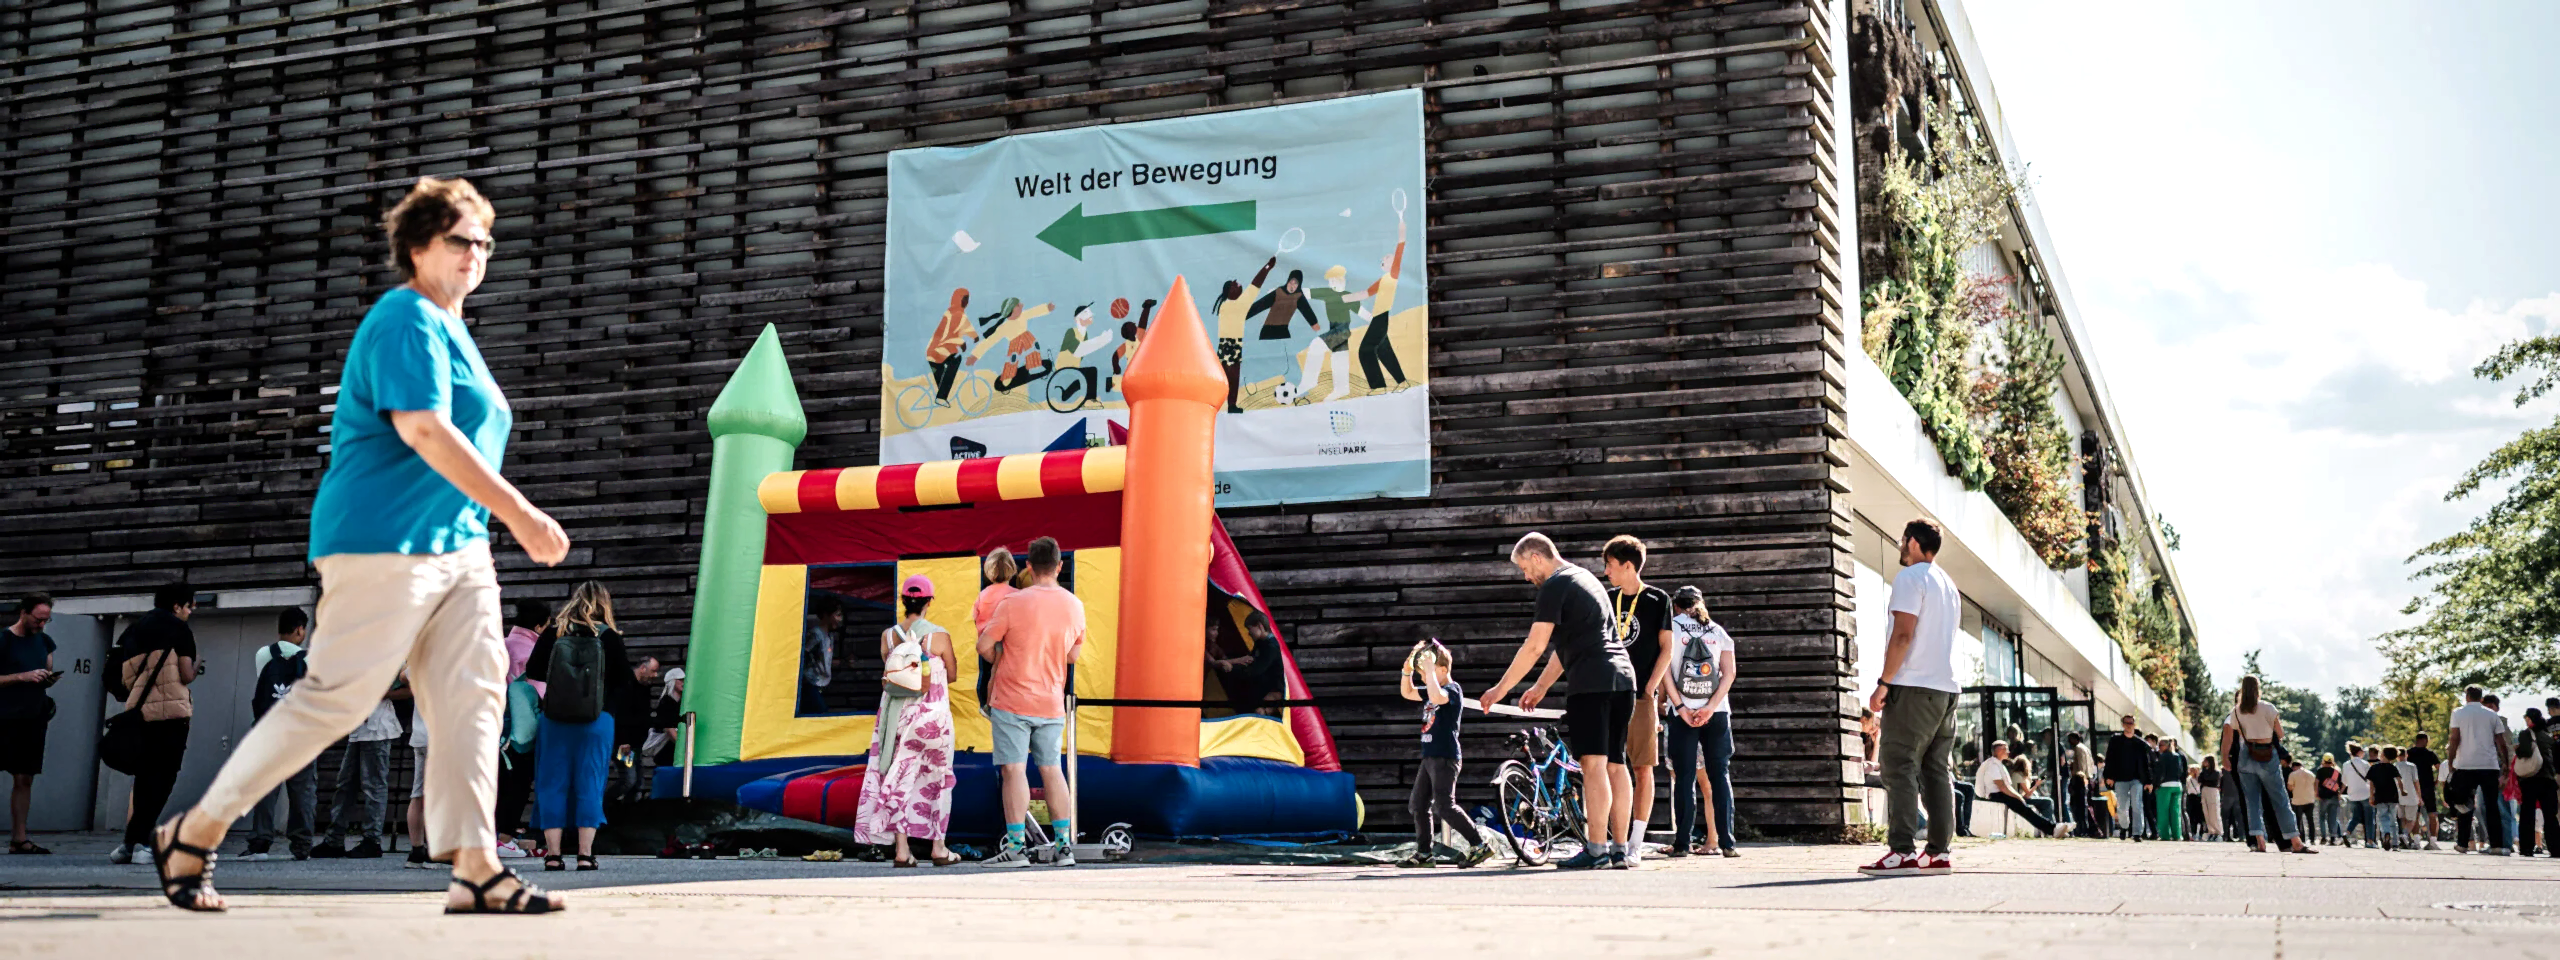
[{"x": 1286, "y": 393}]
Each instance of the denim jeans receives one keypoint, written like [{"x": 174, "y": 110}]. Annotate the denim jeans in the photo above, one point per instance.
[
  {"x": 2129, "y": 814},
  {"x": 2259, "y": 782},
  {"x": 295, "y": 802},
  {"x": 1712, "y": 741},
  {"x": 2330, "y": 828},
  {"x": 2360, "y": 814},
  {"x": 364, "y": 789}
]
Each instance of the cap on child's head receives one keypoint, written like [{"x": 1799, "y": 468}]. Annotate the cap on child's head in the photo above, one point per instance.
[{"x": 918, "y": 585}]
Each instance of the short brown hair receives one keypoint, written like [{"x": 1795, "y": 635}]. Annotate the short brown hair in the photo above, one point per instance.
[
  {"x": 1625, "y": 549},
  {"x": 1927, "y": 532},
  {"x": 431, "y": 208},
  {"x": 34, "y": 600},
  {"x": 1044, "y": 555}
]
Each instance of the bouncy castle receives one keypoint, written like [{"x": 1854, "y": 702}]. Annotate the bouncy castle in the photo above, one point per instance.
[{"x": 1163, "y": 588}]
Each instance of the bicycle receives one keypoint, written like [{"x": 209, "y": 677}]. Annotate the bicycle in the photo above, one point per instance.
[
  {"x": 973, "y": 392},
  {"x": 1539, "y": 796}
]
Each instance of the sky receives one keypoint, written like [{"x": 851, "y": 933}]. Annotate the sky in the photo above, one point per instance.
[{"x": 2291, "y": 229}]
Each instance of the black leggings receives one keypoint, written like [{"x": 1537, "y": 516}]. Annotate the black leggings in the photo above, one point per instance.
[
  {"x": 515, "y": 788},
  {"x": 165, "y": 750},
  {"x": 1435, "y": 794}
]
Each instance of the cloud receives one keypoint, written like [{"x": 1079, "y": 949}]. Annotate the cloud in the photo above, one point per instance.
[{"x": 2373, "y": 399}]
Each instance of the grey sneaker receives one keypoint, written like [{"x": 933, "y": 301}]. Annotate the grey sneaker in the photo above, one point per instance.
[
  {"x": 1062, "y": 856},
  {"x": 1008, "y": 857},
  {"x": 121, "y": 854}
]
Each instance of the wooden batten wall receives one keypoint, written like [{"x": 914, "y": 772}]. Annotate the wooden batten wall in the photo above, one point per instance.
[{"x": 1634, "y": 249}]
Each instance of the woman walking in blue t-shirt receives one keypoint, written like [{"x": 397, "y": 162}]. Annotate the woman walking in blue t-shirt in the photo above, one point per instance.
[{"x": 399, "y": 532}]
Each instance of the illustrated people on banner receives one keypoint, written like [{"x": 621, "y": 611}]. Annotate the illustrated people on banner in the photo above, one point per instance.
[
  {"x": 1341, "y": 310},
  {"x": 1234, "y": 300},
  {"x": 1079, "y": 341},
  {"x": 1279, "y": 307},
  {"x": 951, "y": 336},
  {"x": 1011, "y": 326},
  {"x": 1376, "y": 349}
]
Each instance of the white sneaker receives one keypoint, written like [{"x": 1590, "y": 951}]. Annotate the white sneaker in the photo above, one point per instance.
[
  {"x": 509, "y": 851},
  {"x": 259, "y": 857},
  {"x": 121, "y": 854},
  {"x": 141, "y": 855},
  {"x": 1008, "y": 857}
]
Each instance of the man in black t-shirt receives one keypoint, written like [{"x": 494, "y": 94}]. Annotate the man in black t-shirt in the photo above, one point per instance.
[
  {"x": 1573, "y": 617},
  {"x": 2426, "y": 761},
  {"x": 26, "y": 669},
  {"x": 1642, "y": 615}
]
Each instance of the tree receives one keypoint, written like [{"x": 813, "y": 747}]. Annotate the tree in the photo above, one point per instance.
[
  {"x": 2492, "y": 614},
  {"x": 2032, "y": 456},
  {"x": 2411, "y": 701}
]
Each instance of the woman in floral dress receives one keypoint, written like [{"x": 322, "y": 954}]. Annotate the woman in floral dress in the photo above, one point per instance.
[{"x": 906, "y": 789}]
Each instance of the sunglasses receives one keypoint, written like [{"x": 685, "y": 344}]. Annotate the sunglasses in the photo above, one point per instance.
[{"x": 462, "y": 244}]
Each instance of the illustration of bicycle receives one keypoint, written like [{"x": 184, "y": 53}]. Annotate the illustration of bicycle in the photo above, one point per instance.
[{"x": 1063, "y": 389}]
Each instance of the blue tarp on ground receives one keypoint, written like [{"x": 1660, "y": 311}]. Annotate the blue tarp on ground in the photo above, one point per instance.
[{"x": 1223, "y": 798}]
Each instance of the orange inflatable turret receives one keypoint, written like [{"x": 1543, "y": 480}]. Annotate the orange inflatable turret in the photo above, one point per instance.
[{"x": 1174, "y": 388}]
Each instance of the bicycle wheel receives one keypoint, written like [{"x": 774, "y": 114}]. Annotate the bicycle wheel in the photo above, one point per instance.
[
  {"x": 1516, "y": 808},
  {"x": 914, "y": 406},
  {"x": 1569, "y": 820},
  {"x": 1064, "y": 390},
  {"x": 973, "y": 394}
]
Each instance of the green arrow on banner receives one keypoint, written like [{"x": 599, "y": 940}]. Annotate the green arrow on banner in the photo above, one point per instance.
[{"x": 1074, "y": 231}]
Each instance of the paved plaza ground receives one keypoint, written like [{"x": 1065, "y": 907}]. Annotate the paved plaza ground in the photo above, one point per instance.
[{"x": 2017, "y": 898}]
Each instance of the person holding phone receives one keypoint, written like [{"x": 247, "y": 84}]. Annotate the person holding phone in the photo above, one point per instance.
[{"x": 26, "y": 669}]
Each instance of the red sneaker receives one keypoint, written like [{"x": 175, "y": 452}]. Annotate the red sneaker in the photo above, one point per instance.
[
  {"x": 1894, "y": 865},
  {"x": 1936, "y": 865}
]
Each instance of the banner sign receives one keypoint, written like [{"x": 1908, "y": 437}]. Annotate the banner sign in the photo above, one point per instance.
[{"x": 1022, "y": 273}]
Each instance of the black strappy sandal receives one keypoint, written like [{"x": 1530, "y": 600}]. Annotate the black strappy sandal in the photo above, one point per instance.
[
  {"x": 586, "y": 861},
  {"x": 554, "y": 862},
  {"x": 193, "y": 892},
  {"x": 526, "y": 900}
]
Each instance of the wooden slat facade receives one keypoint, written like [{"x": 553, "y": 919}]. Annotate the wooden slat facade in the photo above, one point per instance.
[{"x": 1636, "y": 304}]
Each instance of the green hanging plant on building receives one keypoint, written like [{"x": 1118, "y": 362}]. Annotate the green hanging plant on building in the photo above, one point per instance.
[{"x": 1920, "y": 321}]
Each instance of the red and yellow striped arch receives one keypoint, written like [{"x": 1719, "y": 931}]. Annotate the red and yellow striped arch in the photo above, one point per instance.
[{"x": 1022, "y": 476}]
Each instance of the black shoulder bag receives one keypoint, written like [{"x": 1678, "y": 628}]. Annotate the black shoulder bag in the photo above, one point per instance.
[{"x": 121, "y": 747}]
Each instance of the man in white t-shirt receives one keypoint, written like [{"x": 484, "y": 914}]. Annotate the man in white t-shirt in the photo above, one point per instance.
[
  {"x": 1917, "y": 700},
  {"x": 2478, "y": 742},
  {"x": 1992, "y": 782},
  {"x": 2357, "y": 774}
]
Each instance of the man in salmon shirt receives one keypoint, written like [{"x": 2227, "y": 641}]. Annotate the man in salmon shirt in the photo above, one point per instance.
[{"x": 1034, "y": 635}]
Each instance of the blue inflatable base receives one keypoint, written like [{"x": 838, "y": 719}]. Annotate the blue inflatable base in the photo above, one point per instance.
[{"x": 1224, "y": 798}]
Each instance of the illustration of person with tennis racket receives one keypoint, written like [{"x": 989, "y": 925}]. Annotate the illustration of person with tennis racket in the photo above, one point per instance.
[
  {"x": 1233, "y": 300},
  {"x": 1376, "y": 350}
]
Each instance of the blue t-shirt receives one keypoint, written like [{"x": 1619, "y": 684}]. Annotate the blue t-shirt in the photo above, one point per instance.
[{"x": 379, "y": 496}]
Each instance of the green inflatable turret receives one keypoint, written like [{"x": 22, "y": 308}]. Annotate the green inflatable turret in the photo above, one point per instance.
[{"x": 756, "y": 428}]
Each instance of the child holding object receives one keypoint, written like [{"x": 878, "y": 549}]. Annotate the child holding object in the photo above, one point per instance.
[{"x": 1435, "y": 780}]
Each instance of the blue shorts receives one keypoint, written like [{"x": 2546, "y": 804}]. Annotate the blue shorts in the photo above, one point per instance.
[{"x": 1020, "y": 738}]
